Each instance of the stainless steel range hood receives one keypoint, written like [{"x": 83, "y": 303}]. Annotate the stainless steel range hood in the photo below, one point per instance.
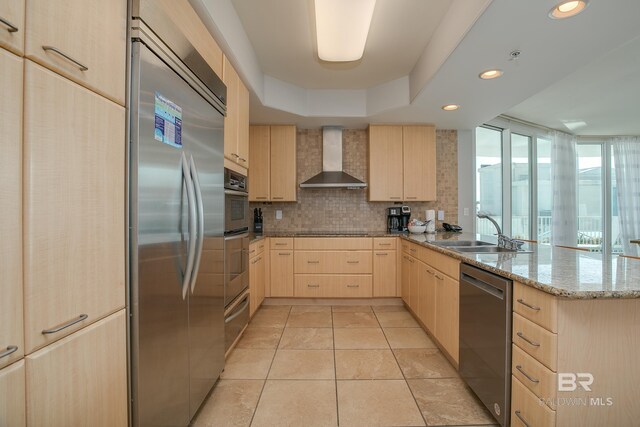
[{"x": 332, "y": 175}]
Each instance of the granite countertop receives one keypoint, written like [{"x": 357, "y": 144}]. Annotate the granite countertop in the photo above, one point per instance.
[
  {"x": 558, "y": 271},
  {"x": 562, "y": 272}
]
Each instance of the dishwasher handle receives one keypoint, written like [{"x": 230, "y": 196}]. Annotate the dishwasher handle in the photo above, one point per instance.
[{"x": 482, "y": 285}]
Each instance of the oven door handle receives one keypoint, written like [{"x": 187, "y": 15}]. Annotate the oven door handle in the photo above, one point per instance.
[
  {"x": 238, "y": 310},
  {"x": 236, "y": 193},
  {"x": 200, "y": 216},
  {"x": 186, "y": 175},
  {"x": 236, "y": 236}
]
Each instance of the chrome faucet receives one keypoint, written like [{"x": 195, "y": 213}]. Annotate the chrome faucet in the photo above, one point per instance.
[{"x": 504, "y": 241}]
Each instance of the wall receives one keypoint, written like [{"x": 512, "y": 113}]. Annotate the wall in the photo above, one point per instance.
[{"x": 342, "y": 210}]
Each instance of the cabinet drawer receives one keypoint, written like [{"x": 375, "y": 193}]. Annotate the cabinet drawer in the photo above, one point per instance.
[
  {"x": 12, "y": 395},
  {"x": 526, "y": 409},
  {"x": 81, "y": 380},
  {"x": 281, "y": 242},
  {"x": 536, "y": 341},
  {"x": 333, "y": 243},
  {"x": 416, "y": 251},
  {"x": 256, "y": 248},
  {"x": 534, "y": 375},
  {"x": 12, "y": 37},
  {"x": 90, "y": 32},
  {"x": 405, "y": 245},
  {"x": 333, "y": 286},
  {"x": 339, "y": 262},
  {"x": 384, "y": 243},
  {"x": 446, "y": 264},
  {"x": 537, "y": 306}
]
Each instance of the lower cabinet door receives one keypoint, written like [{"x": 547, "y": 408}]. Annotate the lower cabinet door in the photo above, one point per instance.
[
  {"x": 405, "y": 276},
  {"x": 427, "y": 296},
  {"x": 384, "y": 274},
  {"x": 281, "y": 273},
  {"x": 80, "y": 380},
  {"x": 447, "y": 313},
  {"x": 12, "y": 395}
]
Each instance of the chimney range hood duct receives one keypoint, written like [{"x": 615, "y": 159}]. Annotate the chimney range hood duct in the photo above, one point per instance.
[{"x": 332, "y": 175}]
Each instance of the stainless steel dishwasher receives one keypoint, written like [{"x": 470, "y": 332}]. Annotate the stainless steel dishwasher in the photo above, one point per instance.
[{"x": 485, "y": 338}]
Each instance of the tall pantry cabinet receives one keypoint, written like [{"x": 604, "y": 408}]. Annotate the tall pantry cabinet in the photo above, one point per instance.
[{"x": 62, "y": 213}]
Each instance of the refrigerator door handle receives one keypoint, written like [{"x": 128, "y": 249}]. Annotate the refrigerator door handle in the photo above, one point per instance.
[
  {"x": 200, "y": 231},
  {"x": 186, "y": 174}
]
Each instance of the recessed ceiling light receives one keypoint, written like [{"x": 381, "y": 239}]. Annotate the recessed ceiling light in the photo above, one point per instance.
[
  {"x": 567, "y": 9},
  {"x": 450, "y": 107},
  {"x": 490, "y": 74},
  {"x": 342, "y": 28}
]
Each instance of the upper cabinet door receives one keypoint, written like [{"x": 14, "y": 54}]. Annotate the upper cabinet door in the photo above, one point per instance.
[
  {"x": 84, "y": 40},
  {"x": 259, "y": 149},
  {"x": 74, "y": 194},
  {"x": 419, "y": 154},
  {"x": 231, "y": 80},
  {"x": 11, "y": 331},
  {"x": 385, "y": 163},
  {"x": 243, "y": 124},
  {"x": 283, "y": 163},
  {"x": 12, "y": 25}
]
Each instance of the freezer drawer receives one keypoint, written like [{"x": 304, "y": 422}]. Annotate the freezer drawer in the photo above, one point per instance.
[{"x": 236, "y": 320}]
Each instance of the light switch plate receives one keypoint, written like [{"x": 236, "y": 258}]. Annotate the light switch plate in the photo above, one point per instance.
[
  {"x": 440, "y": 215},
  {"x": 278, "y": 214}
]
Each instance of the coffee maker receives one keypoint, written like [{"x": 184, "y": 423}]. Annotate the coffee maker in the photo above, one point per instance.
[{"x": 398, "y": 219}]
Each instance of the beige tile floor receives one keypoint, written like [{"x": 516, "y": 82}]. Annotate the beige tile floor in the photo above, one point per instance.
[{"x": 304, "y": 366}]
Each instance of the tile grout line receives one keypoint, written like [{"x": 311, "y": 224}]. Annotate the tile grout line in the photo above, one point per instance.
[
  {"x": 269, "y": 370},
  {"x": 335, "y": 368},
  {"x": 402, "y": 372}
]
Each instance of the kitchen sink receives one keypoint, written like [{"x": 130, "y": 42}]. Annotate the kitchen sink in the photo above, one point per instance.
[
  {"x": 462, "y": 243},
  {"x": 487, "y": 250}
]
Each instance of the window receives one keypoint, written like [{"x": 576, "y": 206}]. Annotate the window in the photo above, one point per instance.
[
  {"x": 488, "y": 177},
  {"x": 544, "y": 191},
  {"x": 590, "y": 191},
  {"x": 520, "y": 187},
  {"x": 616, "y": 237}
]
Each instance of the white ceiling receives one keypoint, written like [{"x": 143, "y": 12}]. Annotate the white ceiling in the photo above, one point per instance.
[
  {"x": 282, "y": 33},
  {"x": 580, "y": 69}
]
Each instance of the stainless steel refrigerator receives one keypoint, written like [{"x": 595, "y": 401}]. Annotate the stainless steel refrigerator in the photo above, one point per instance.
[{"x": 176, "y": 230}]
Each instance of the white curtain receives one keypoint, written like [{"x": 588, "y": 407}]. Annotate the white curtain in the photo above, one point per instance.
[
  {"x": 564, "y": 213},
  {"x": 626, "y": 151}
]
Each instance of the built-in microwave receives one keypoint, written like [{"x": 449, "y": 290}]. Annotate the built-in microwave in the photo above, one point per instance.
[{"x": 236, "y": 202}]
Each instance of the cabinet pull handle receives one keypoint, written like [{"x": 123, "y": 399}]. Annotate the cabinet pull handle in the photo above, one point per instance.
[
  {"x": 353, "y": 286},
  {"x": 533, "y": 343},
  {"x": 439, "y": 277},
  {"x": 284, "y": 253},
  {"x": 394, "y": 198},
  {"x": 532, "y": 307},
  {"x": 277, "y": 198},
  {"x": 522, "y": 419},
  {"x": 384, "y": 244},
  {"x": 353, "y": 262},
  {"x": 256, "y": 260},
  {"x": 411, "y": 198},
  {"x": 261, "y": 198},
  {"x": 382, "y": 253},
  {"x": 235, "y": 155},
  {"x": 11, "y": 28},
  {"x": 430, "y": 272},
  {"x": 313, "y": 262},
  {"x": 80, "y": 66},
  {"x": 529, "y": 377},
  {"x": 251, "y": 251},
  {"x": 412, "y": 249},
  {"x": 65, "y": 325},
  {"x": 312, "y": 286},
  {"x": 281, "y": 244},
  {"x": 242, "y": 159},
  {"x": 11, "y": 349}
]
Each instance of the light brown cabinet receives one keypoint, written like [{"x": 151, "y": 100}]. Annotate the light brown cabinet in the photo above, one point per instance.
[
  {"x": 12, "y": 395},
  {"x": 427, "y": 297},
  {"x": 405, "y": 265},
  {"x": 74, "y": 194},
  {"x": 236, "y": 137},
  {"x": 84, "y": 40},
  {"x": 447, "y": 322},
  {"x": 274, "y": 161},
  {"x": 11, "y": 327},
  {"x": 384, "y": 273},
  {"x": 257, "y": 275},
  {"x": 281, "y": 266},
  {"x": 12, "y": 25},
  {"x": 402, "y": 163},
  {"x": 80, "y": 380}
]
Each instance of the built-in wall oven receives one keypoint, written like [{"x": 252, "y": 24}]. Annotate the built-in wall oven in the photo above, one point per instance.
[{"x": 236, "y": 254}]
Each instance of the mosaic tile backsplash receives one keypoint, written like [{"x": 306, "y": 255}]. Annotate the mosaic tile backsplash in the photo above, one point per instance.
[{"x": 348, "y": 211}]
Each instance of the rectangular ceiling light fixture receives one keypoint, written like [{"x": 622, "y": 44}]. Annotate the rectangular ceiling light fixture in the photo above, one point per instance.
[{"x": 342, "y": 27}]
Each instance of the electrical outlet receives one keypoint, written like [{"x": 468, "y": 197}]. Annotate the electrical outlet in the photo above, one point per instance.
[
  {"x": 440, "y": 215},
  {"x": 278, "y": 214},
  {"x": 466, "y": 211}
]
